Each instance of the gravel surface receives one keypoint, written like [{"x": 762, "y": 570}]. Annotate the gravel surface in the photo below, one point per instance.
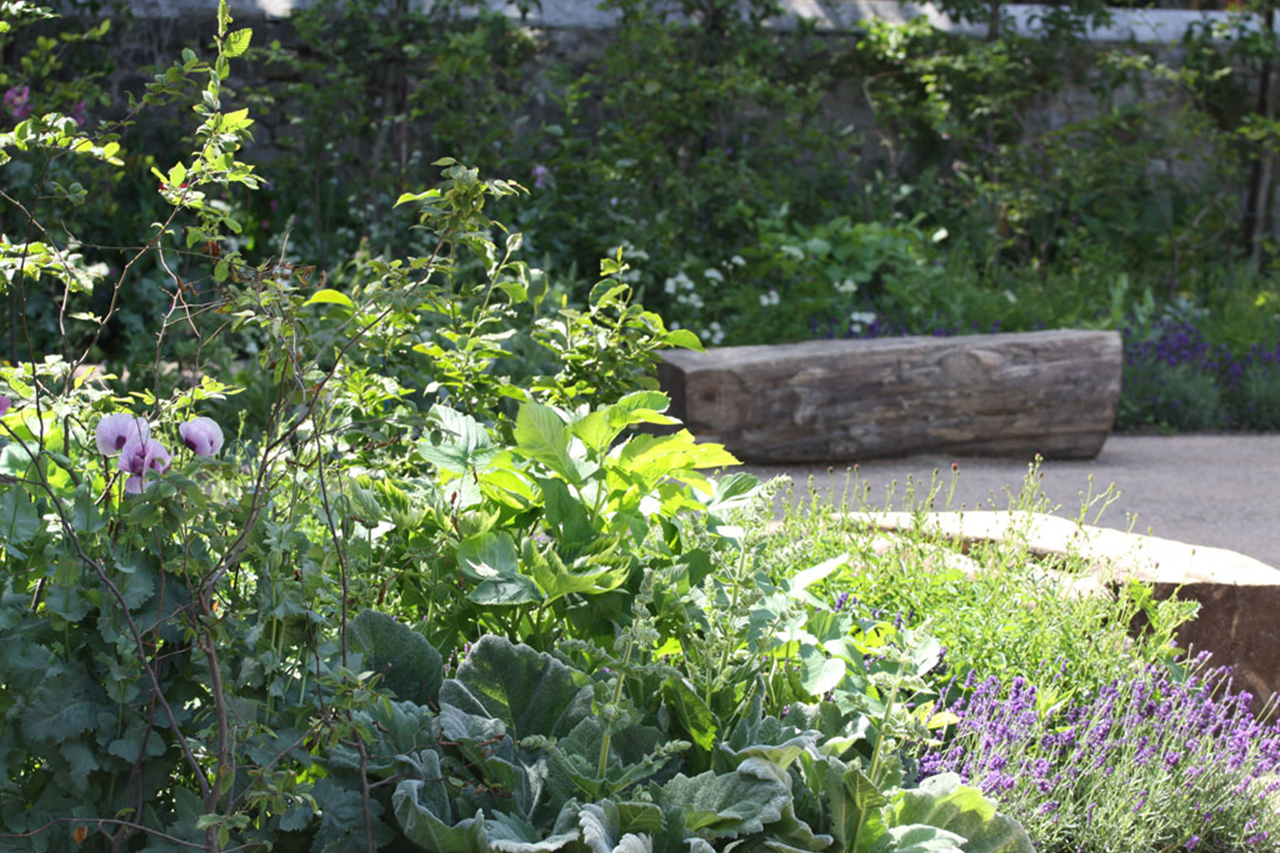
[{"x": 1216, "y": 490}]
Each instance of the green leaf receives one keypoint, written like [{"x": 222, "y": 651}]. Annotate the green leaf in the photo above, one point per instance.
[
  {"x": 425, "y": 815},
  {"x": 329, "y": 296},
  {"x": 602, "y": 830},
  {"x": 506, "y": 592},
  {"x": 532, "y": 693},
  {"x": 62, "y": 707},
  {"x": 81, "y": 761},
  {"x": 943, "y": 801},
  {"x": 730, "y": 804},
  {"x": 410, "y": 666},
  {"x": 542, "y": 435},
  {"x": 19, "y": 521},
  {"x": 819, "y": 674},
  {"x": 237, "y": 43},
  {"x": 918, "y": 839},
  {"x": 85, "y": 516},
  {"x": 488, "y": 557},
  {"x": 467, "y": 444},
  {"x": 805, "y": 578},
  {"x": 693, "y": 713},
  {"x": 685, "y": 339}
]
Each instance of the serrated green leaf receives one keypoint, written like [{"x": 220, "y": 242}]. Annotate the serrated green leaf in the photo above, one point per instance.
[
  {"x": 237, "y": 42},
  {"x": 542, "y": 435}
]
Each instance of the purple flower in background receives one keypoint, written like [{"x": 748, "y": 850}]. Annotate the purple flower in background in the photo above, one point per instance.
[
  {"x": 202, "y": 436},
  {"x": 140, "y": 458},
  {"x": 115, "y": 430},
  {"x": 541, "y": 176},
  {"x": 18, "y": 101},
  {"x": 5, "y": 403}
]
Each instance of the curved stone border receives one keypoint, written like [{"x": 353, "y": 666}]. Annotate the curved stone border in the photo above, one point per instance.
[{"x": 1239, "y": 620}]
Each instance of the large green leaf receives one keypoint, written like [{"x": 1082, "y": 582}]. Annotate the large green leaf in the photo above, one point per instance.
[
  {"x": 918, "y": 839},
  {"x": 694, "y": 715},
  {"x": 602, "y": 830},
  {"x": 542, "y": 435},
  {"x": 465, "y": 445},
  {"x": 943, "y": 801},
  {"x": 488, "y": 556},
  {"x": 19, "y": 521},
  {"x": 410, "y": 667},
  {"x": 819, "y": 674},
  {"x": 512, "y": 834},
  {"x": 729, "y": 805},
  {"x": 425, "y": 814},
  {"x": 61, "y": 707},
  {"x": 532, "y": 693}
]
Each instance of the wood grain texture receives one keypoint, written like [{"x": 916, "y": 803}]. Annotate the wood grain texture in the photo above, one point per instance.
[{"x": 1053, "y": 393}]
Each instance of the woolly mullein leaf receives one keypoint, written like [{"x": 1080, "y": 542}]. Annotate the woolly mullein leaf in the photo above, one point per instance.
[
  {"x": 513, "y": 834},
  {"x": 943, "y": 801},
  {"x": 601, "y": 825},
  {"x": 532, "y": 693},
  {"x": 410, "y": 667},
  {"x": 729, "y": 805},
  {"x": 425, "y": 815}
]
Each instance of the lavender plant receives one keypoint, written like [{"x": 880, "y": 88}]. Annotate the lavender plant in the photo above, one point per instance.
[{"x": 1165, "y": 760}]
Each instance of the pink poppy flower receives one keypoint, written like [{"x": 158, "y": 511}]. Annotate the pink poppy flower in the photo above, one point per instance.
[
  {"x": 202, "y": 435},
  {"x": 114, "y": 430},
  {"x": 142, "y": 460}
]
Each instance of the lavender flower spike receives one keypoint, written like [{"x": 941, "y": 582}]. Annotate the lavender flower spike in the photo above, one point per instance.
[
  {"x": 115, "y": 430},
  {"x": 5, "y": 403},
  {"x": 140, "y": 458},
  {"x": 202, "y": 435}
]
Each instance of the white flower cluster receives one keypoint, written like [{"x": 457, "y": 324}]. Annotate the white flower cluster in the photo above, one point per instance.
[
  {"x": 713, "y": 334},
  {"x": 769, "y": 298},
  {"x": 858, "y": 320},
  {"x": 684, "y": 290},
  {"x": 847, "y": 287}
]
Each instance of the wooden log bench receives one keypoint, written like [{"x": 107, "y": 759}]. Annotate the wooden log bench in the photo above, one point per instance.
[{"x": 1053, "y": 393}]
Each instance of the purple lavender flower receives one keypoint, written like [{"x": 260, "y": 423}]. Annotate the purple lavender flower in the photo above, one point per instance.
[
  {"x": 18, "y": 101},
  {"x": 140, "y": 458},
  {"x": 541, "y": 176},
  {"x": 5, "y": 403},
  {"x": 115, "y": 430},
  {"x": 202, "y": 436}
]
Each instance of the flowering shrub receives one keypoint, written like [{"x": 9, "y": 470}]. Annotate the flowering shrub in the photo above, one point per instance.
[{"x": 1160, "y": 759}]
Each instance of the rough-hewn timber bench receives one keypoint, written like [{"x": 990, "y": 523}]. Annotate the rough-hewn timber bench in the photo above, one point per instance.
[{"x": 1053, "y": 393}]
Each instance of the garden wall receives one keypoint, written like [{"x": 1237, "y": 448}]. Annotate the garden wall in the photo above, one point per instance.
[{"x": 576, "y": 32}]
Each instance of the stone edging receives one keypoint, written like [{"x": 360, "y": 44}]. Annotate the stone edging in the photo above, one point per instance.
[{"x": 1239, "y": 596}]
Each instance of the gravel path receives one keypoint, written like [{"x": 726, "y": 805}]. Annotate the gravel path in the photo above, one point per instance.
[{"x": 1221, "y": 491}]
